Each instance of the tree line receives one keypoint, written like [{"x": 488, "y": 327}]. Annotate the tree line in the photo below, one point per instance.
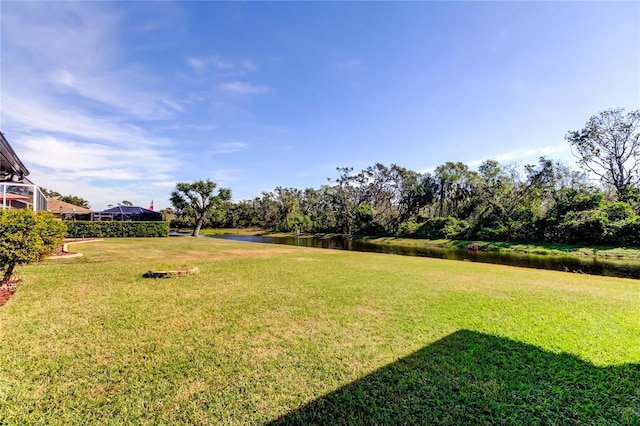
[
  {"x": 71, "y": 199},
  {"x": 542, "y": 202}
]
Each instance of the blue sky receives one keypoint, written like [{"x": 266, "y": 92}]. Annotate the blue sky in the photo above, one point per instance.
[{"x": 116, "y": 101}]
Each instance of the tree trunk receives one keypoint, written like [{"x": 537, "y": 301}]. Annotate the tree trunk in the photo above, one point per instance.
[
  {"x": 8, "y": 273},
  {"x": 196, "y": 231}
]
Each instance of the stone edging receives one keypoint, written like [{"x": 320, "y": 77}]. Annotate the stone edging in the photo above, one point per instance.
[{"x": 65, "y": 248}]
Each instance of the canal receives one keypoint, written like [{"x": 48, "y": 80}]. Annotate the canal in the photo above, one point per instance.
[{"x": 586, "y": 265}]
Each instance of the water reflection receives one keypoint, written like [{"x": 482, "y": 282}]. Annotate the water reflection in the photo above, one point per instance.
[{"x": 594, "y": 266}]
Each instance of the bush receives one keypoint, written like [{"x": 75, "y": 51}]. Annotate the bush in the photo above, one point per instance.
[
  {"x": 618, "y": 211},
  {"x": 497, "y": 232},
  {"x": 27, "y": 237},
  {"x": 586, "y": 226},
  {"x": 573, "y": 201},
  {"x": 629, "y": 232},
  {"x": 408, "y": 229},
  {"x": 441, "y": 227},
  {"x": 109, "y": 229}
]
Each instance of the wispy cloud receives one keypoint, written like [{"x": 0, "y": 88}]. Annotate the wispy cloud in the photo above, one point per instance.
[
  {"x": 40, "y": 114},
  {"x": 197, "y": 64},
  {"x": 544, "y": 150},
  {"x": 72, "y": 108},
  {"x": 244, "y": 88},
  {"x": 90, "y": 169},
  {"x": 200, "y": 63},
  {"x": 81, "y": 60},
  {"x": 229, "y": 147},
  {"x": 95, "y": 160},
  {"x": 513, "y": 156},
  {"x": 109, "y": 91},
  {"x": 187, "y": 126},
  {"x": 526, "y": 153},
  {"x": 165, "y": 184},
  {"x": 224, "y": 176}
]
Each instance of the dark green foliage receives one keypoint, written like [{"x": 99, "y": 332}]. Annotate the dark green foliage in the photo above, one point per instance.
[
  {"x": 78, "y": 201},
  {"x": 241, "y": 215},
  {"x": 584, "y": 226},
  {"x": 72, "y": 199},
  {"x": 441, "y": 227},
  {"x": 27, "y": 237},
  {"x": 107, "y": 229},
  {"x": 552, "y": 204},
  {"x": 181, "y": 222},
  {"x": 609, "y": 146},
  {"x": 494, "y": 232},
  {"x": 628, "y": 234},
  {"x": 543, "y": 202},
  {"x": 618, "y": 211},
  {"x": 492, "y": 204},
  {"x": 581, "y": 202},
  {"x": 197, "y": 201},
  {"x": 409, "y": 229},
  {"x": 454, "y": 183}
]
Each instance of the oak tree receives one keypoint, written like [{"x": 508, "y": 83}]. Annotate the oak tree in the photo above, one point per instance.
[
  {"x": 609, "y": 147},
  {"x": 198, "y": 201}
]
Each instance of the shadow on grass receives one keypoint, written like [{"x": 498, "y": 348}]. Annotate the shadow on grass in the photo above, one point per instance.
[{"x": 474, "y": 378}]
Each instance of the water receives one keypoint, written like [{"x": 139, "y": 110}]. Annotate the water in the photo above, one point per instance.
[{"x": 590, "y": 265}]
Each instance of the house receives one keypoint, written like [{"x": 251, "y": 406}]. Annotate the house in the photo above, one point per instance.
[
  {"x": 16, "y": 190},
  {"x": 128, "y": 213},
  {"x": 68, "y": 211}
]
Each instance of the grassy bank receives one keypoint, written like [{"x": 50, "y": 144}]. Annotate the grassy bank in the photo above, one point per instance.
[
  {"x": 551, "y": 249},
  {"x": 225, "y": 231},
  {"x": 292, "y": 335}
]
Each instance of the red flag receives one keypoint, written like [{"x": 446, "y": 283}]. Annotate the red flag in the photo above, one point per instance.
[{"x": 151, "y": 206}]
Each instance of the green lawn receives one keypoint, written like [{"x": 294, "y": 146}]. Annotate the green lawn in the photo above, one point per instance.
[{"x": 292, "y": 335}]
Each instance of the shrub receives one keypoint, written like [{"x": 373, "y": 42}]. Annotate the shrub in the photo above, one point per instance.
[
  {"x": 108, "y": 229},
  {"x": 586, "y": 226},
  {"x": 497, "y": 232},
  {"x": 408, "y": 229},
  {"x": 629, "y": 232},
  {"x": 27, "y": 237},
  {"x": 619, "y": 211},
  {"x": 442, "y": 227}
]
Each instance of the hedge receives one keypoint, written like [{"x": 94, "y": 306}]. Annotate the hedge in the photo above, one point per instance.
[{"x": 106, "y": 229}]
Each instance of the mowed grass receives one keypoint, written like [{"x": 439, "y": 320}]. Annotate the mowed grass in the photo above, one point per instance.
[{"x": 292, "y": 335}]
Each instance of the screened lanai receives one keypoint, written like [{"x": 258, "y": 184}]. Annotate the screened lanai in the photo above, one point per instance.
[{"x": 16, "y": 190}]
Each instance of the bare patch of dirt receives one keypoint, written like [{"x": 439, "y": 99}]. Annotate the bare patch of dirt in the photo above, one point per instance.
[
  {"x": 61, "y": 252},
  {"x": 7, "y": 290}
]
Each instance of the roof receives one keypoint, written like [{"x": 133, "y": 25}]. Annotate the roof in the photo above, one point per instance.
[
  {"x": 10, "y": 196},
  {"x": 129, "y": 210},
  {"x": 57, "y": 206},
  {"x": 10, "y": 164},
  {"x": 131, "y": 213}
]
